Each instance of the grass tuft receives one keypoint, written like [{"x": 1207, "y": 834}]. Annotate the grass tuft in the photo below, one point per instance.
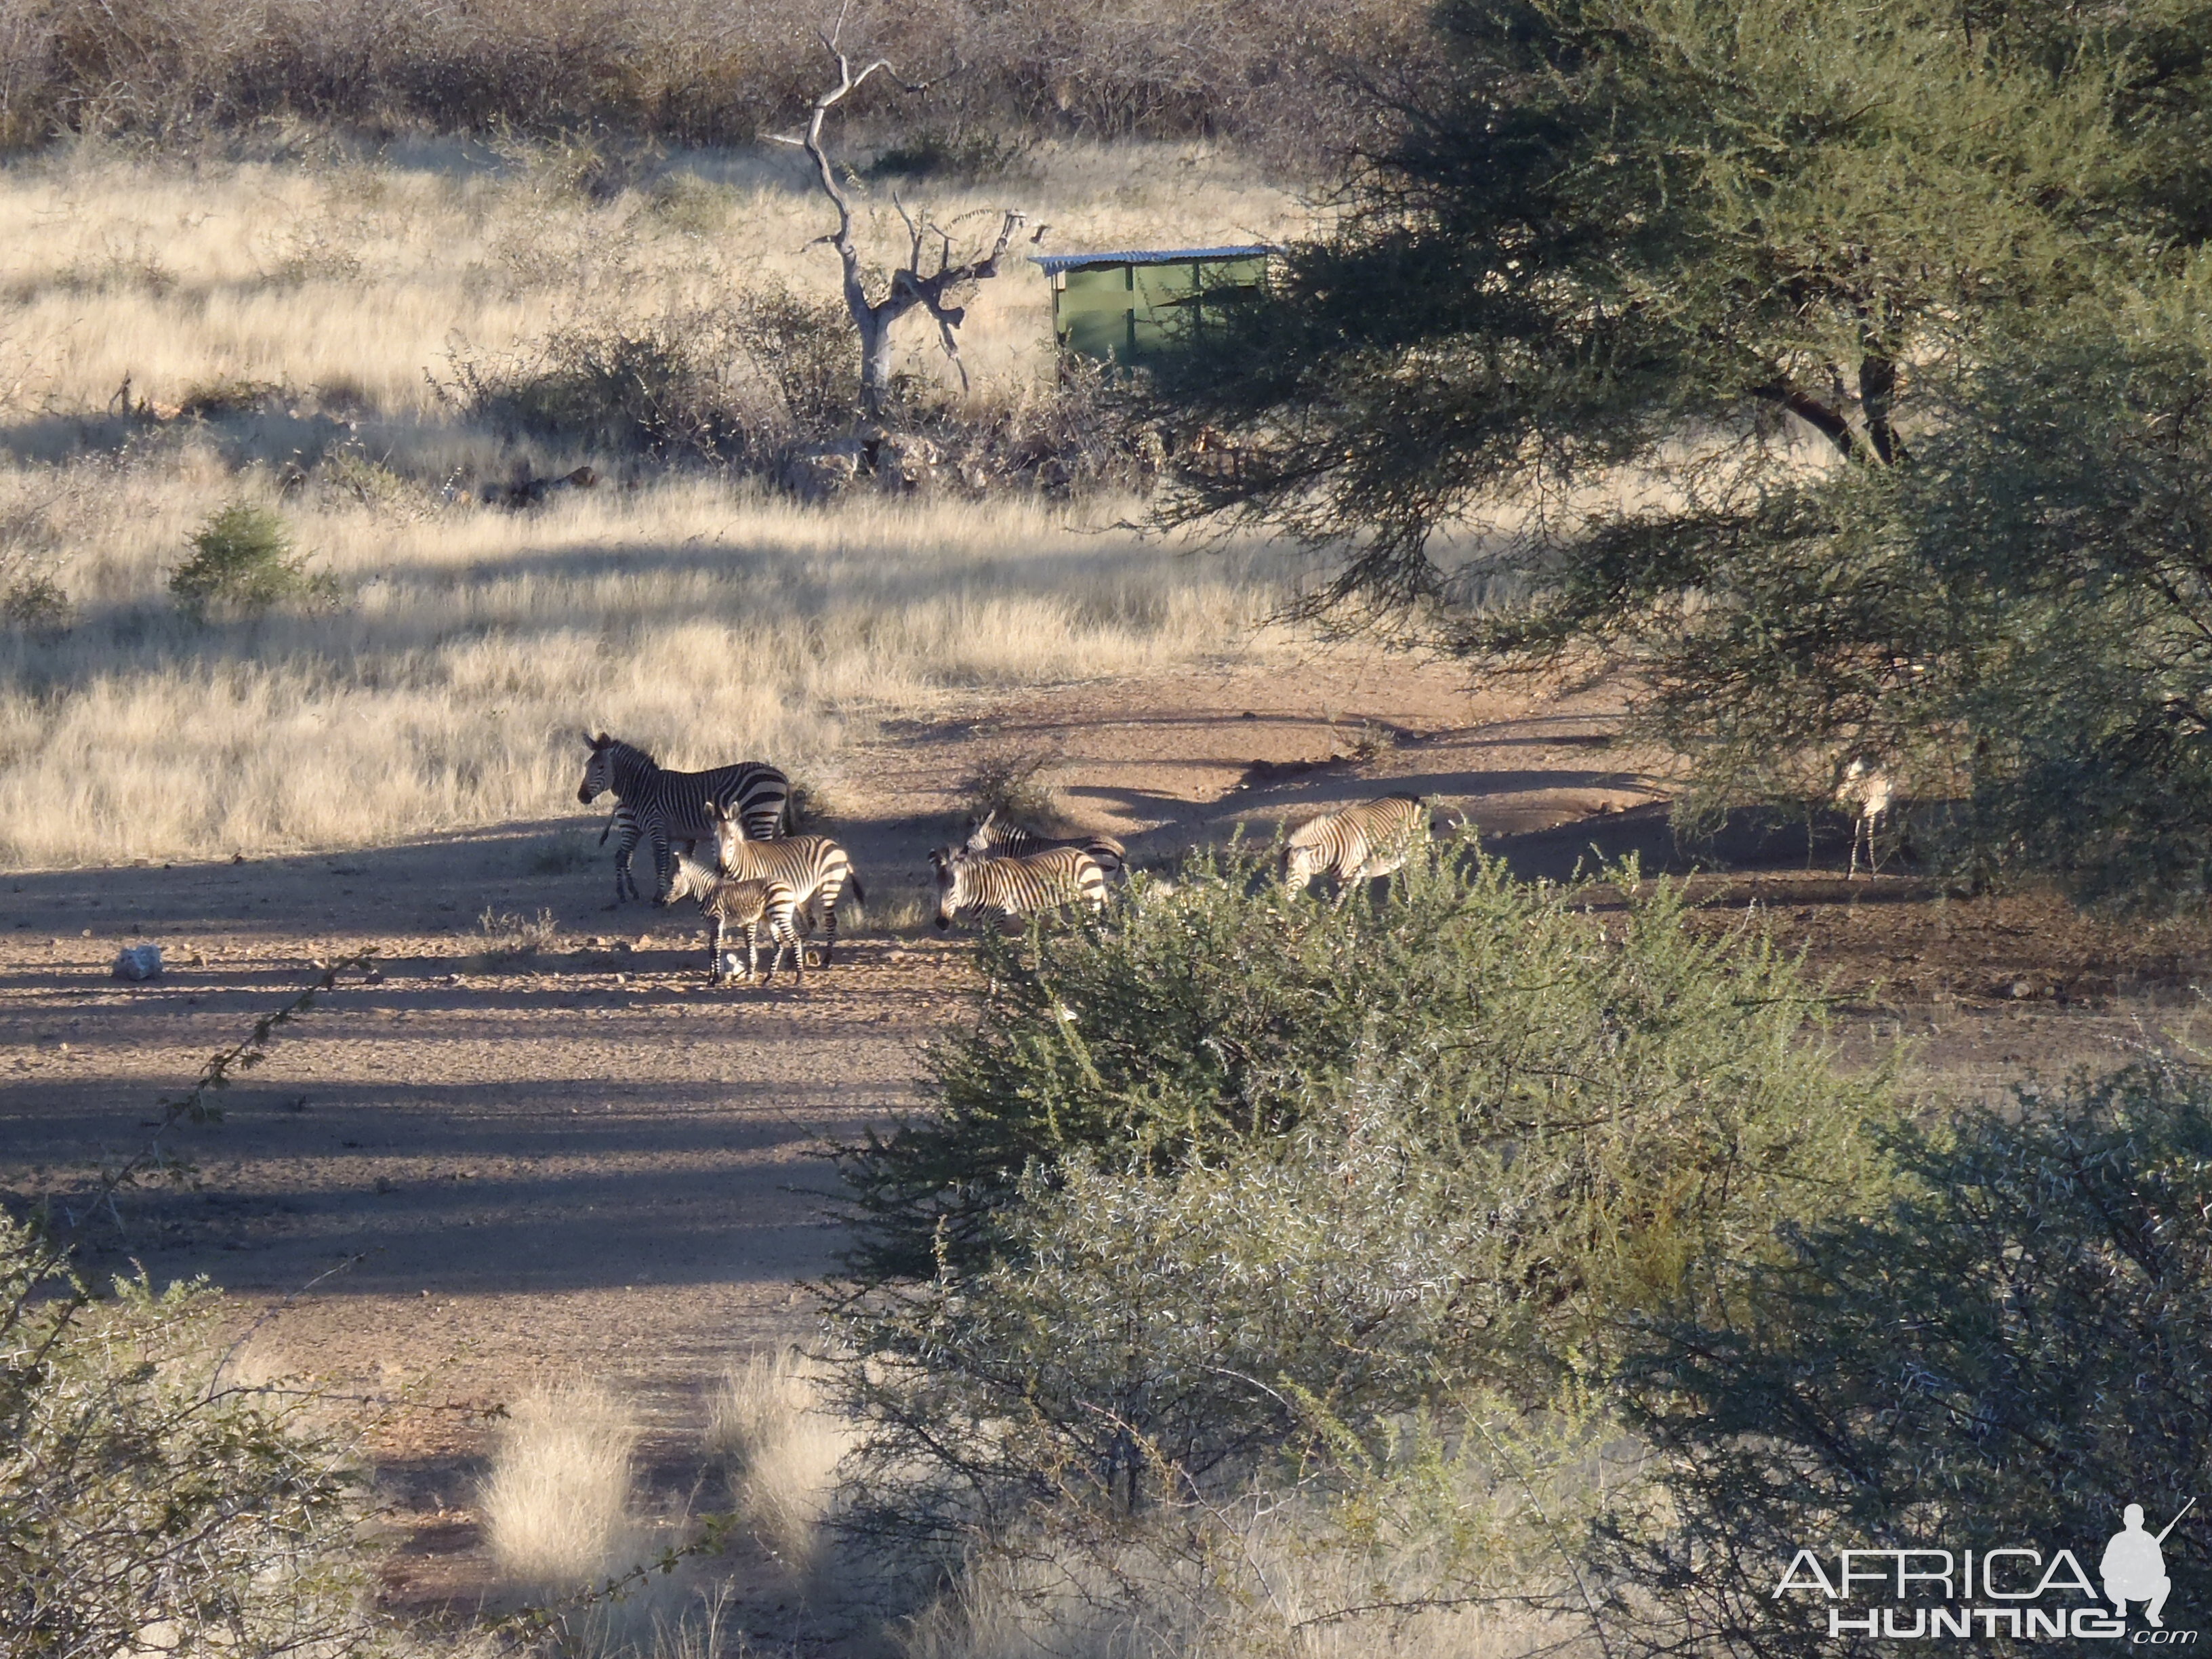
[
  {"x": 780, "y": 1449},
  {"x": 557, "y": 1500}
]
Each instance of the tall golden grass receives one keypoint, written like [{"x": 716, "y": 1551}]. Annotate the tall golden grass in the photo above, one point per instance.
[{"x": 442, "y": 685}]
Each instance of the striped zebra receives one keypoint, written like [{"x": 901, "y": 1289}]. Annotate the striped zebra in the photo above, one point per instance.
[
  {"x": 756, "y": 906},
  {"x": 1016, "y": 886},
  {"x": 817, "y": 869},
  {"x": 668, "y": 807},
  {"x": 989, "y": 838},
  {"x": 1357, "y": 844}
]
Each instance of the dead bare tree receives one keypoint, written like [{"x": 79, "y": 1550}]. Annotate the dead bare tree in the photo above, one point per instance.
[{"x": 942, "y": 293}]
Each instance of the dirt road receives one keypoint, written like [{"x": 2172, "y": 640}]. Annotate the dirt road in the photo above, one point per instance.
[{"x": 492, "y": 1165}]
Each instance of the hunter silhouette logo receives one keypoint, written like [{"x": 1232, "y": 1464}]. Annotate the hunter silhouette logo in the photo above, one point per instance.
[
  {"x": 2134, "y": 1567},
  {"x": 1984, "y": 1593}
]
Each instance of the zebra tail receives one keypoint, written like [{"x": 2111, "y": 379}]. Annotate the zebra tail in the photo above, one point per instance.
[{"x": 860, "y": 893}]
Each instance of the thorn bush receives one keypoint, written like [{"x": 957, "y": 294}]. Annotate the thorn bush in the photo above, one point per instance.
[{"x": 242, "y": 564}]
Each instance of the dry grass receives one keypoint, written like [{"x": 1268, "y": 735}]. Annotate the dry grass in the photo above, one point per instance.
[
  {"x": 780, "y": 1450},
  {"x": 453, "y": 649},
  {"x": 1054, "y": 1607},
  {"x": 352, "y": 278},
  {"x": 557, "y": 1501}
]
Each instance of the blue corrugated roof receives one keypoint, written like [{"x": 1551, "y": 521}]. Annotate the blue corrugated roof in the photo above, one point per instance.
[{"x": 1054, "y": 262}]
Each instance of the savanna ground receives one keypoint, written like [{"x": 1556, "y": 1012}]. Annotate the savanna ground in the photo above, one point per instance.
[{"x": 529, "y": 1145}]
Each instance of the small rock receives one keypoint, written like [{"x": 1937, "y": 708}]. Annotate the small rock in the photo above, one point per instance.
[{"x": 138, "y": 962}]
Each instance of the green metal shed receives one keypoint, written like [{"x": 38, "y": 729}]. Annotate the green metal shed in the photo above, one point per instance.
[{"x": 1128, "y": 307}]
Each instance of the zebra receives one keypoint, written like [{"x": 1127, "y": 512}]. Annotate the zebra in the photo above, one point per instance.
[
  {"x": 757, "y": 906},
  {"x": 1355, "y": 845},
  {"x": 1865, "y": 792},
  {"x": 672, "y": 806},
  {"x": 817, "y": 867},
  {"x": 1015, "y": 886},
  {"x": 989, "y": 838}
]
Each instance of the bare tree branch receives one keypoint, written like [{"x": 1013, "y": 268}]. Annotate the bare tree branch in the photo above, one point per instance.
[{"x": 937, "y": 293}]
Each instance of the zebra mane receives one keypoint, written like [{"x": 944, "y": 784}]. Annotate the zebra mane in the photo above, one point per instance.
[{"x": 628, "y": 760}]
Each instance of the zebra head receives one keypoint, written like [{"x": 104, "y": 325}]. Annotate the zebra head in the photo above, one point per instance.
[
  {"x": 729, "y": 833},
  {"x": 692, "y": 880},
  {"x": 599, "y": 770},
  {"x": 980, "y": 836},
  {"x": 1301, "y": 865},
  {"x": 951, "y": 866}
]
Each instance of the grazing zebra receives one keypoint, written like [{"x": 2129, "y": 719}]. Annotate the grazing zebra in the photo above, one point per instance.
[
  {"x": 1357, "y": 844},
  {"x": 1865, "y": 792},
  {"x": 1016, "y": 886},
  {"x": 757, "y": 905},
  {"x": 991, "y": 839},
  {"x": 672, "y": 806},
  {"x": 815, "y": 866}
]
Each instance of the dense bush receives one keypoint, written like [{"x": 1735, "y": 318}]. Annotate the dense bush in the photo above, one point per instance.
[
  {"x": 2011, "y": 1352},
  {"x": 734, "y": 383},
  {"x": 242, "y": 563},
  {"x": 681, "y": 69},
  {"x": 1266, "y": 1263},
  {"x": 1145, "y": 1338},
  {"x": 768, "y": 383},
  {"x": 144, "y": 1500},
  {"x": 1669, "y": 1074}
]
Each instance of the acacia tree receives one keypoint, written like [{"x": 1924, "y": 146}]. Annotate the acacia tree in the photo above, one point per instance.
[
  {"x": 942, "y": 292},
  {"x": 1891, "y": 316}
]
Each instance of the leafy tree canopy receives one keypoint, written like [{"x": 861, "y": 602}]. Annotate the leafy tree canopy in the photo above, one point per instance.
[{"x": 1843, "y": 367}]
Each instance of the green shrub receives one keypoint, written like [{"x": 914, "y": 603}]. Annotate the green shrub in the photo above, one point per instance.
[
  {"x": 138, "y": 1487},
  {"x": 2015, "y": 1348},
  {"x": 36, "y": 602},
  {"x": 1016, "y": 784},
  {"x": 1672, "y": 1088},
  {"x": 972, "y": 156},
  {"x": 1257, "y": 1237},
  {"x": 242, "y": 563},
  {"x": 1148, "y": 1336}
]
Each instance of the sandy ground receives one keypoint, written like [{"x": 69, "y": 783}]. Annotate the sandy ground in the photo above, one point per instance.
[{"x": 582, "y": 1160}]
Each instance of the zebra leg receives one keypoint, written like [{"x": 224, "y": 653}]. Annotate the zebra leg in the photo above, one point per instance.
[
  {"x": 623, "y": 848},
  {"x": 664, "y": 867},
  {"x": 714, "y": 949},
  {"x": 798, "y": 951},
  {"x": 829, "y": 929},
  {"x": 753, "y": 954}
]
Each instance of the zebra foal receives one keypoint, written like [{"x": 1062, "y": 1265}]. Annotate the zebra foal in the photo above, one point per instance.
[
  {"x": 666, "y": 807},
  {"x": 757, "y": 905},
  {"x": 816, "y": 868},
  {"x": 1016, "y": 886},
  {"x": 989, "y": 838},
  {"x": 1357, "y": 844}
]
